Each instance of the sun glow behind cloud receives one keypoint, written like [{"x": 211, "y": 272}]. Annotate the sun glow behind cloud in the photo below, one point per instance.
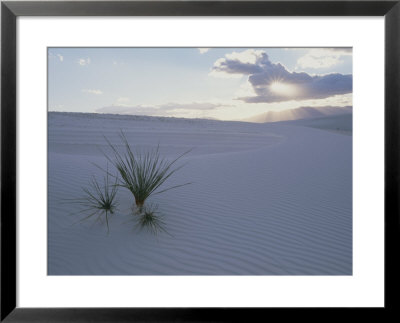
[{"x": 284, "y": 89}]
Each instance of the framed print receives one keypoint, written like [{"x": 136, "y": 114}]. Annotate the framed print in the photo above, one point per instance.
[{"x": 198, "y": 161}]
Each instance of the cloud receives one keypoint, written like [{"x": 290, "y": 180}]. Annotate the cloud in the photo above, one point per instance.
[
  {"x": 97, "y": 92},
  {"x": 272, "y": 82},
  {"x": 167, "y": 109},
  {"x": 123, "y": 99},
  {"x": 323, "y": 57},
  {"x": 203, "y": 50},
  {"x": 190, "y": 106},
  {"x": 117, "y": 63},
  {"x": 303, "y": 86},
  {"x": 238, "y": 64},
  {"x": 245, "y": 89},
  {"x": 84, "y": 61},
  {"x": 59, "y": 56}
]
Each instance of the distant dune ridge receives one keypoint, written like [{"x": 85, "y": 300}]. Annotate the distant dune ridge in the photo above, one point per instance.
[{"x": 300, "y": 113}]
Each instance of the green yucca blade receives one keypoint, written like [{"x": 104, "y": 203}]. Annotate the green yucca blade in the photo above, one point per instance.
[
  {"x": 149, "y": 219},
  {"x": 100, "y": 200},
  {"x": 142, "y": 173}
]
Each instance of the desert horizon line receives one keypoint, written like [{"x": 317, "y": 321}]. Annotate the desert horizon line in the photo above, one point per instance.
[{"x": 247, "y": 119}]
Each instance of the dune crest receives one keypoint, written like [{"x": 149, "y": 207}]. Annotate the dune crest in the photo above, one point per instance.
[{"x": 300, "y": 113}]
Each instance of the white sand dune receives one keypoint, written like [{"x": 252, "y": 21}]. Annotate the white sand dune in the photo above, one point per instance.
[
  {"x": 342, "y": 123},
  {"x": 300, "y": 113},
  {"x": 265, "y": 199}
]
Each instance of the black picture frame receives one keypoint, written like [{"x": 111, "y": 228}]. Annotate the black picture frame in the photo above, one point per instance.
[{"x": 10, "y": 10}]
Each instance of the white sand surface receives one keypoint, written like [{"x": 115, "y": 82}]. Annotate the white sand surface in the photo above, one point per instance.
[
  {"x": 342, "y": 123},
  {"x": 265, "y": 199}
]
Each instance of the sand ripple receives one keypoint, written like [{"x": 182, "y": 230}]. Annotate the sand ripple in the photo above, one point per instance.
[{"x": 264, "y": 200}]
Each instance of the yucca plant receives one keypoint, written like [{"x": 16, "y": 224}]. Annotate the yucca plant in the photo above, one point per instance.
[
  {"x": 150, "y": 219},
  {"x": 142, "y": 173},
  {"x": 99, "y": 200}
]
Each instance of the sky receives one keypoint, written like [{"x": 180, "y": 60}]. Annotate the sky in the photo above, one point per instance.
[{"x": 213, "y": 83}]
